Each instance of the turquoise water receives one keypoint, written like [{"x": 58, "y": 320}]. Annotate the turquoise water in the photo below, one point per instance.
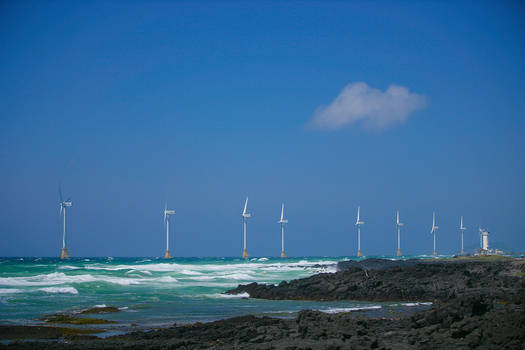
[{"x": 154, "y": 292}]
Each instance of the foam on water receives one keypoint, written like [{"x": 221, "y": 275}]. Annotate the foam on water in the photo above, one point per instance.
[
  {"x": 349, "y": 309},
  {"x": 228, "y": 296},
  {"x": 70, "y": 290},
  {"x": 151, "y": 289},
  {"x": 10, "y": 290}
]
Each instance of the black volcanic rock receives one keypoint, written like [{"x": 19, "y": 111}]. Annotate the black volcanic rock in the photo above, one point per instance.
[
  {"x": 376, "y": 264},
  {"x": 458, "y": 324},
  {"x": 414, "y": 281}
]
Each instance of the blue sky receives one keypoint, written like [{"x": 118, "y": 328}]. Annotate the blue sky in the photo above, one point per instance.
[{"x": 129, "y": 103}]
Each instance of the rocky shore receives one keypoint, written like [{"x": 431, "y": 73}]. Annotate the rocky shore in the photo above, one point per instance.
[
  {"x": 477, "y": 304},
  {"x": 412, "y": 280}
]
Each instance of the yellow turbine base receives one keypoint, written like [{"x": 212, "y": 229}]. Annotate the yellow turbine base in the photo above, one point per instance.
[
  {"x": 434, "y": 253},
  {"x": 462, "y": 252},
  {"x": 167, "y": 255},
  {"x": 64, "y": 254},
  {"x": 283, "y": 255},
  {"x": 359, "y": 253},
  {"x": 245, "y": 253},
  {"x": 399, "y": 252}
]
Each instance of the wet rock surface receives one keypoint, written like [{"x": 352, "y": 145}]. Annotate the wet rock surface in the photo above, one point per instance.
[
  {"x": 100, "y": 310},
  {"x": 477, "y": 305}
]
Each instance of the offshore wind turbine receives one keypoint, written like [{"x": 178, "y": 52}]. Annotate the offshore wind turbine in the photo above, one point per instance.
[
  {"x": 358, "y": 223},
  {"x": 434, "y": 230},
  {"x": 245, "y": 215},
  {"x": 398, "y": 225},
  {"x": 167, "y": 213},
  {"x": 462, "y": 229},
  {"x": 64, "y": 204},
  {"x": 283, "y": 221}
]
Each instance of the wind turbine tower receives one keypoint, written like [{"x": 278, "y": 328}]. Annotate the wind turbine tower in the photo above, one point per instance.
[
  {"x": 245, "y": 215},
  {"x": 358, "y": 223},
  {"x": 64, "y": 204},
  {"x": 462, "y": 229},
  {"x": 434, "y": 230},
  {"x": 398, "y": 225},
  {"x": 167, "y": 213},
  {"x": 283, "y": 221}
]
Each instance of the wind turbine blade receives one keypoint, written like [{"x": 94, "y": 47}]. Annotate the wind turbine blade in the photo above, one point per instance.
[
  {"x": 245, "y": 206},
  {"x": 282, "y": 212},
  {"x": 358, "y": 210},
  {"x": 397, "y": 219},
  {"x": 60, "y": 192},
  {"x": 433, "y": 219}
]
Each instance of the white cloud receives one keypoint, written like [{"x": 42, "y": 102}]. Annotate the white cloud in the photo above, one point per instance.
[{"x": 360, "y": 102}]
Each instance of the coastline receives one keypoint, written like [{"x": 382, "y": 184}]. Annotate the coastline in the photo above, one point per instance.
[{"x": 477, "y": 302}]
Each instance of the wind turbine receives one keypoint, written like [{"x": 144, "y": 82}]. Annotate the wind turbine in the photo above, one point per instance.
[
  {"x": 358, "y": 223},
  {"x": 282, "y": 222},
  {"x": 462, "y": 229},
  {"x": 167, "y": 213},
  {"x": 434, "y": 230},
  {"x": 398, "y": 224},
  {"x": 64, "y": 204},
  {"x": 245, "y": 215}
]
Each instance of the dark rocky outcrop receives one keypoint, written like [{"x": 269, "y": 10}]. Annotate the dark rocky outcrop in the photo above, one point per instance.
[
  {"x": 406, "y": 281},
  {"x": 100, "y": 310}
]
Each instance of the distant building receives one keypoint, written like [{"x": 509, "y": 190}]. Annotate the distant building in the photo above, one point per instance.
[
  {"x": 484, "y": 241},
  {"x": 484, "y": 244}
]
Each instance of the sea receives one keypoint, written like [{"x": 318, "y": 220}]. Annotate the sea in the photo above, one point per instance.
[{"x": 154, "y": 292}]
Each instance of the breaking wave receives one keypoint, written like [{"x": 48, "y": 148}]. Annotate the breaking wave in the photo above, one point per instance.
[{"x": 69, "y": 290}]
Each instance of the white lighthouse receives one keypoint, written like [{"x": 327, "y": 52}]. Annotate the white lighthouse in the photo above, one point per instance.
[{"x": 483, "y": 241}]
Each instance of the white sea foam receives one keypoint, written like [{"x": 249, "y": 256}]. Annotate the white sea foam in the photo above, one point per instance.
[
  {"x": 190, "y": 272},
  {"x": 168, "y": 279},
  {"x": 237, "y": 276},
  {"x": 415, "y": 304},
  {"x": 248, "y": 267},
  {"x": 69, "y": 290},
  {"x": 57, "y": 278},
  {"x": 10, "y": 290},
  {"x": 232, "y": 296},
  {"x": 145, "y": 272},
  {"x": 202, "y": 278},
  {"x": 336, "y": 310}
]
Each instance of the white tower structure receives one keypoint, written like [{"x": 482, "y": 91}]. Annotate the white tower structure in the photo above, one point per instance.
[
  {"x": 462, "y": 229},
  {"x": 167, "y": 213},
  {"x": 283, "y": 221},
  {"x": 484, "y": 241},
  {"x": 434, "y": 231},
  {"x": 245, "y": 215},
  {"x": 64, "y": 204},
  {"x": 398, "y": 225},
  {"x": 358, "y": 223}
]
